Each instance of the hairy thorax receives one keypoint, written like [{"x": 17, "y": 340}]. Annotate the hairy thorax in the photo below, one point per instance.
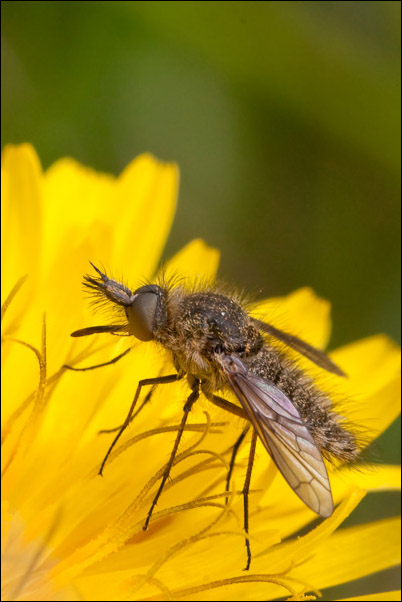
[{"x": 200, "y": 325}]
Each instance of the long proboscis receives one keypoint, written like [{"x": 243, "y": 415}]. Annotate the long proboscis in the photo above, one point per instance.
[{"x": 111, "y": 329}]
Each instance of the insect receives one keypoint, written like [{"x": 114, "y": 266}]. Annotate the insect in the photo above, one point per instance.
[{"x": 214, "y": 342}]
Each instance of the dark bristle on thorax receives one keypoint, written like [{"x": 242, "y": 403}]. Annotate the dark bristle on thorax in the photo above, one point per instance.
[{"x": 334, "y": 439}]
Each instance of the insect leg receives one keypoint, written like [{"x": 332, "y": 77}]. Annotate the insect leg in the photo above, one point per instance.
[
  {"x": 246, "y": 489},
  {"x": 234, "y": 409},
  {"x": 187, "y": 407},
  {"x": 233, "y": 458},
  {"x": 230, "y": 407},
  {"x": 159, "y": 380},
  {"x": 112, "y": 361},
  {"x": 144, "y": 403}
]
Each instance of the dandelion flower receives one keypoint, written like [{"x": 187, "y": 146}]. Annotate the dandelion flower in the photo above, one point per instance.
[{"x": 69, "y": 534}]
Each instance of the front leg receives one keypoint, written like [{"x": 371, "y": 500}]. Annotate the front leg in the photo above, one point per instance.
[
  {"x": 187, "y": 407},
  {"x": 159, "y": 380}
]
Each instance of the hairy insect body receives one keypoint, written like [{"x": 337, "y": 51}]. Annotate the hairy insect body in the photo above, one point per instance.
[
  {"x": 315, "y": 407},
  {"x": 197, "y": 326},
  {"x": 219, "y": 346}
]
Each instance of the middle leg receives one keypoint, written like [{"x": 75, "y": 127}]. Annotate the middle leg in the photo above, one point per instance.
[
  {"x": 234, "y": 409},
  {"x": 187, "y": 407}
]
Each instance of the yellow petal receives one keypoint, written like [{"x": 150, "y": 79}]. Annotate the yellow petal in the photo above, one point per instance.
[
  {"x": 374, "y": 478},
  {"x": 22, "y": 208},
  {"x": 78, "y": 205},
  {"x": 146, "y": 203},
  {"x": 126, "y": 219},
  {"x": 354, "y": 553},
  {"x": 196, "y": 262},
  {"x": 376, "y": 412},
  {"x": 87, "y": 529},
  {"x": 369, "y": 363}
]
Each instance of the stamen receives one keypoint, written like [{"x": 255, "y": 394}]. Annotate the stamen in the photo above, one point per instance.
[
  {"x": 29, "y": 430},
  {"x": 12, "y": 294},
  {"x": 165, "y": 429}
]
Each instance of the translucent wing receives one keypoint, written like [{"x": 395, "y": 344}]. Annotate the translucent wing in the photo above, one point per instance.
[
  {"x": 283, "y": 433},
  {"x": 314, "y": 355}
]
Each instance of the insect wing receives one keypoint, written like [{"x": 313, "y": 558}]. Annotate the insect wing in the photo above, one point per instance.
[
  {"x": 284, "y": 434},
  {"x": 316, "y": 356}
]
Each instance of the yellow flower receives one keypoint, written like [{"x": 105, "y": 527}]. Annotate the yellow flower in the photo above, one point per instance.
[{"x": 69, "y": 534}]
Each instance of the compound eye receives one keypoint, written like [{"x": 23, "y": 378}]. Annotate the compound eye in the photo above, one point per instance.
[{"x": 141, "y": 314}]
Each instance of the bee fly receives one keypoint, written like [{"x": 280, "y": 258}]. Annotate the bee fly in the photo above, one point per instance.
[{"x": 219, "y": 347}]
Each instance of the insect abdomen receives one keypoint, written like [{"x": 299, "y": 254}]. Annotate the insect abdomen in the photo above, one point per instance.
[{"x": 314, "y": 406}]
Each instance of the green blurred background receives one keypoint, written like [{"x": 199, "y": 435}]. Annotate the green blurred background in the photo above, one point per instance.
[{"x": 283, "y": 116}]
